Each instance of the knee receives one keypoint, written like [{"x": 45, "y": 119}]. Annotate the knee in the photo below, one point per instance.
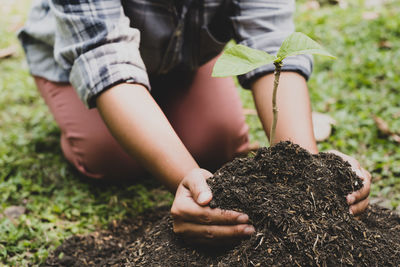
[
  {"x": 99, "y": 157},
  {"x": 236, "y": 139},
  {"x": 214, "y": 146}
]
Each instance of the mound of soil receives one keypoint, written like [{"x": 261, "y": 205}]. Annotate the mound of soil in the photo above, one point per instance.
[{"x": 296, "y": 202}]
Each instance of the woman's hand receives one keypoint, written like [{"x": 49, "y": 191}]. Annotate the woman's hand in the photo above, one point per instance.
[
  {"x": 357, "y": 200},
  {"x": 198, "y": 223}
]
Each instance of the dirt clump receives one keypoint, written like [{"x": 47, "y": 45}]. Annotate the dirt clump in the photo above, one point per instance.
[{"x": 296, "y": 202}]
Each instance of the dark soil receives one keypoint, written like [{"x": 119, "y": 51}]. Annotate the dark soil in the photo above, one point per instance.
[{"x": 295, "y": 200}]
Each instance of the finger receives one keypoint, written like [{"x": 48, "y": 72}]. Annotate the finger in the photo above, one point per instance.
[
  {"x": 359, "y": 207},
  {"x": 198, "y": 187},
  {"x": 191, "y": 212},
  {"x": 366, "y": 176},
  {"x": 363, "y": 193},
  {"x": 210, "y": 232}
]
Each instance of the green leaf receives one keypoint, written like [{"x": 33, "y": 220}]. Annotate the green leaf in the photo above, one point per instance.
[
  {"x": 298, "y": 43},
  {"x": 240, "y": 59}
]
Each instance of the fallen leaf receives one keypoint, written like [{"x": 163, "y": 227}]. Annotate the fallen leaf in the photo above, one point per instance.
[
  {"x": 376, "y": 178},
  {"x": 322, "y": 124},
  {"x": 8, "y": 52},
  {"x": 13, "y": 212},
  {"x": 396, "y": 138},
  {"x": 384, "y": 129},
  {"x": 370, "y": 15},
  {"x": 384, "y": 44}
]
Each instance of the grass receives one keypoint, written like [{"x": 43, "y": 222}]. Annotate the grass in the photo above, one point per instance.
[
  {"x": 33, "y": 173},
  {"x": 364, "y": 80}
]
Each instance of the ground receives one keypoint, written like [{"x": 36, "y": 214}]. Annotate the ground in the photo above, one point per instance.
[
  {"x": 296, "y": 203},
  {"x": 55, "y": 202}
]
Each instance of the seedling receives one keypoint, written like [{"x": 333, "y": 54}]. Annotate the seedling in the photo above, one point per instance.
[{"x": 240, "y": 59}]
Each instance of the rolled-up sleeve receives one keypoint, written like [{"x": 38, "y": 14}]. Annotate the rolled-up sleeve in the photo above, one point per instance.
[
  {"x": 93, "y": 40},
  {"x": 264, "y": 24}
]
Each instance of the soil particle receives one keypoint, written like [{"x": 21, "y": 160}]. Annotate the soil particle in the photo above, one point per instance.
[{"x": 296, "y": 202}]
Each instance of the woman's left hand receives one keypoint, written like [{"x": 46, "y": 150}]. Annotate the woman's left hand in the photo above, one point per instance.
[{"x": 357, "y": 200}]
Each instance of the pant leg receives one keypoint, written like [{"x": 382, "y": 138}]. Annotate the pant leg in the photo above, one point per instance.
[
  {"x": 205, "y": 112},
  {"x": 85, "y": 140}
]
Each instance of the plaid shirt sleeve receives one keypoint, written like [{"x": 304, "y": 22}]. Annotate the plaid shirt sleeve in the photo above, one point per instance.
[
  {"x": 264, "y": 24},
  {"x": 94, "y": 40}
]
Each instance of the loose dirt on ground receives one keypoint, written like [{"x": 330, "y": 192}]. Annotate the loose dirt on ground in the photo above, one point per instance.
[{"x": 295, "y": 200}]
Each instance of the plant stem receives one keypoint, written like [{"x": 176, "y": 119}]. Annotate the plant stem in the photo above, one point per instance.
[{"x": 277, "y": 73}]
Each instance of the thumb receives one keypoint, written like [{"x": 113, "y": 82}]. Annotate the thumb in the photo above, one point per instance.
[{"x": 195, "y": 181}]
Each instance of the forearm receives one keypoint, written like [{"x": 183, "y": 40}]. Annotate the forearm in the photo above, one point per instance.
[
  {"x": 140, "y": 126},
  {"x": 294, "y": 117}
]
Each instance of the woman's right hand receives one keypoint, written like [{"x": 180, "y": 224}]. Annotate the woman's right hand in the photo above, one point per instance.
[{"x": 198, "y": 223}]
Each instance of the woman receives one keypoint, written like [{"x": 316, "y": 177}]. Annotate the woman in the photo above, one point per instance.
[{"x": 143, "y": 68}]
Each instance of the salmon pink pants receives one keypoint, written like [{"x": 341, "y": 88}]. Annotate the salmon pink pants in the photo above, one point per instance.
[{"x": 205, "y": 112}]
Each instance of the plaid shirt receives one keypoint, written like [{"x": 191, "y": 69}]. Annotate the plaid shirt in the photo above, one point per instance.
[{"x": 94, "y": 44}]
